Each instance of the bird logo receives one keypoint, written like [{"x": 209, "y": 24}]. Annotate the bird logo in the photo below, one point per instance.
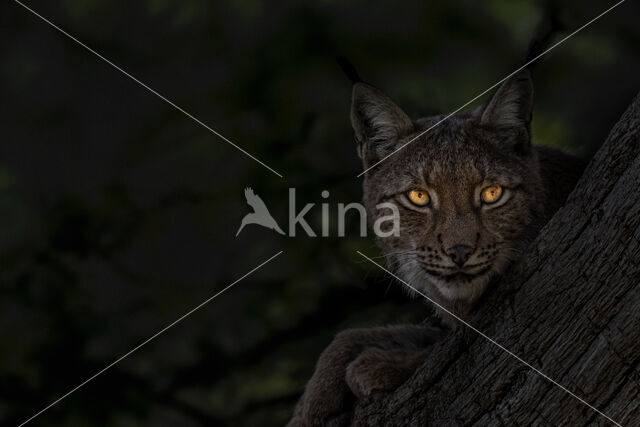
[{"x": 260, "y": 214}]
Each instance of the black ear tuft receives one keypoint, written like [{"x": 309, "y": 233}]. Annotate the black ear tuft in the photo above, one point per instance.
[
  {"x": 348, "y": 68},
  {"x": 547, "y": 29}
]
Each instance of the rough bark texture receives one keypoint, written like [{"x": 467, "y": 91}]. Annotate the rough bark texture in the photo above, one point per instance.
[{"x": 571, "y": 308}]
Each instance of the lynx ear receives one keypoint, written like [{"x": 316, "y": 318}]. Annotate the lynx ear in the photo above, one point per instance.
[
  {"x": 378, "y": 123},
  {"x": 512, "y": 104}
]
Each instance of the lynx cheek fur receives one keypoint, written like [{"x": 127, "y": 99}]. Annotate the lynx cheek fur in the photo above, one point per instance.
[{"x": 452, "y": 247}]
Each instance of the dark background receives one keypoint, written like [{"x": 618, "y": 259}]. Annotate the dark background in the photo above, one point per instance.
[{"x": 118, "y": 213}]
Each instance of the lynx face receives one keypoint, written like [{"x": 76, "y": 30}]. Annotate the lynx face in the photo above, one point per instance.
[{"x": 469, "y": 191}]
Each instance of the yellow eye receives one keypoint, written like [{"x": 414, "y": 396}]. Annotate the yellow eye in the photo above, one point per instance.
[
  {"x": 491, "y": 194},
  {"x": 418, "y": 197}
]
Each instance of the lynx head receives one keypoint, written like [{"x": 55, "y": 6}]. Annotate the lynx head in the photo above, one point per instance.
[{"x": 468, "y": 191}]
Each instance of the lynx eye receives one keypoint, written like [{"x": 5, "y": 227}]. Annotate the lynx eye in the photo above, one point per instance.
[
  {"x": 418, "y": 197},
  {"x": 491, "y": 194}
]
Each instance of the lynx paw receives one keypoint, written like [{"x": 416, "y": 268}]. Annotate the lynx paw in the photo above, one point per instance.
[{"x": 374, "y": 370}]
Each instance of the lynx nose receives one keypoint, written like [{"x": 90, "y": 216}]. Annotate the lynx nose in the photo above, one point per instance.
[{"x": 459, "y": 254}]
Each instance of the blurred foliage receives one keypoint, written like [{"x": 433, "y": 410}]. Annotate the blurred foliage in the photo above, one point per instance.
[{"x": 119, "y": 213}]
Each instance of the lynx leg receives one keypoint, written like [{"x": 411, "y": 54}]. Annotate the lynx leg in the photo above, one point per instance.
[{"x": 327, "y": 392}]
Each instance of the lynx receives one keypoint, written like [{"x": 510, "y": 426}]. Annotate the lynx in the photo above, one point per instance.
[{"x": 472, "y": 192}]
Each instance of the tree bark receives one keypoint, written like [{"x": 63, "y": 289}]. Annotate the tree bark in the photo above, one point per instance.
[{"x": 570, "y": 308}]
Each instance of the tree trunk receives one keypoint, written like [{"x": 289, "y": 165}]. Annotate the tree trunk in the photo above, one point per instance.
[{"x": 570, "y": 308}]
